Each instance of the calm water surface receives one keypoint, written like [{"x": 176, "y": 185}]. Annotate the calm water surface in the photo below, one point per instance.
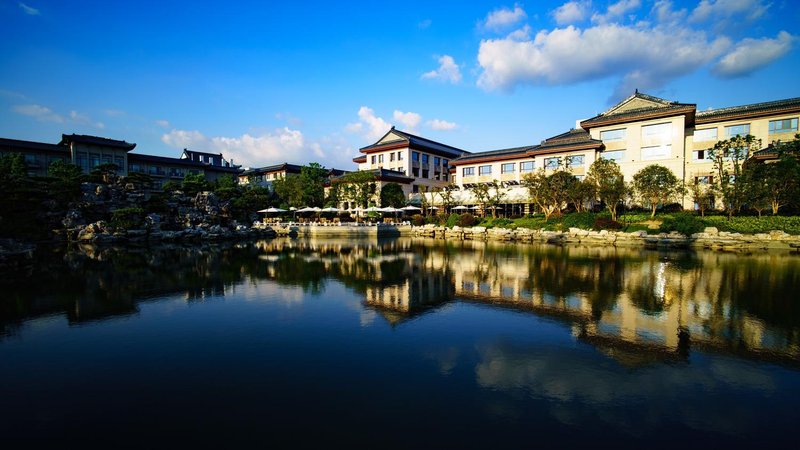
[{"x": 408, "y": 343}]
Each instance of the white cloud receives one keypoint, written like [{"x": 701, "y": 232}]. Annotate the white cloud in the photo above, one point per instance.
[
  {"x": 644, "y": 58},
  {"x": 571, "y": 12},
  {"x": 84, "y": 119},
  {"x": 522, "y": 34},
  {"x": 448, "y": 71},
  {"x": 163, "y": 123},
  {"x": 28, "y": 10},
  {"x": 441, "y": 125},
  {"x": 616, "y": 11},
  {"x": 370, "y": 125},
  {"x": 726, "y": 9},
  {"x": 752, "y": 54},
  {"x": 504, "y": 18},
  {"x": 282, "y": 145},
  {"x": 409, "y": 120},
  {"x": 424, "y": 24},
  {"x": 41, "y": 113}
]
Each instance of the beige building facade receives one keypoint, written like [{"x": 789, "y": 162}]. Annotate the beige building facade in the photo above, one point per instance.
[{"x": 639, "y": 131}]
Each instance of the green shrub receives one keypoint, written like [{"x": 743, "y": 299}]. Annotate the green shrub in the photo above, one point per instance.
[
  {"x": 127, "y": 218},
  {"x": 466, "y": 220},
  {"x": 417, "y": 220},
  {"x": 583, "y": 220},
  {"x": 452, "y": 220},
  {"x": 431, "y": 220},
  {"x": 682, "y": 223},
  {"x": 605, "y": 223}
]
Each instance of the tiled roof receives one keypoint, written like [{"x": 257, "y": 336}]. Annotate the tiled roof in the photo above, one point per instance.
[
  {"x": 576, "y": 137},
  {"x": 663, "y": 108},
  {"x": 14, "y": 143},
  {"x": 754, "y": 109},
  {"x": 96, "y": 140},
  {"x": 290, "y": 168},
  {"x": 505, "y": 153},
  {"x": 419, "y": 143},
  {"x": 141, "y": 158}
]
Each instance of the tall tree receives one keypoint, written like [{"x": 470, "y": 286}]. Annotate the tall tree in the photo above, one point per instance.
[
  {"x": 729, "y": 156},
  {"x": 580, "y": 193},
  {"x": 482, "y": 194},
  {"x": 606, "y": 177},
  {"x": 357, "y": 187},
  {"x": 702, "y": 195},
  {"x": 289, "y": 190},
  {"x": 549, "y": 192},
  {"x": 656, "y": 185},
  {"x": 772, "y": 185},
  {"x": 392, "y": 195},
  {"x": 312, "y": 182},
  {"x": 496, "y": 195}
]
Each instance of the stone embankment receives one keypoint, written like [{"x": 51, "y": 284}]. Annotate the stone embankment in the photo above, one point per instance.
[{"x": 710, "y": 238}]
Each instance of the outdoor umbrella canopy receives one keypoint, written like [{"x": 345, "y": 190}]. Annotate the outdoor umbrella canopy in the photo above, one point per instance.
[
  {"x": 309, "y": 209},
  {"x": 330, "y": 209},
  {"x": 459, "y": 207},
  {"x": 410, "y": 208},
  {"x": 474, "y": 207},
  {"x": 389, "y": 209},
  {"x": 271, "y": 209}
]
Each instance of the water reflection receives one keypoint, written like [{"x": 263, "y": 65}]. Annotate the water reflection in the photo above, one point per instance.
[{"x": 637, "y": 306}]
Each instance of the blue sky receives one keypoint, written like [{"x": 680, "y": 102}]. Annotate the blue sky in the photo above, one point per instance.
[{"x": 268, "y": 82}]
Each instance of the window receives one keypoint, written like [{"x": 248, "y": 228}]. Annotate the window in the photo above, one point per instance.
[
  {"x": 444, "y": 176},
  {"x": 415, "y": 156},
  {"x": 414, "y": 188},
  {"x": 373, "y": 159},
  {"x": 444, "y": 163},
  {"x": 136, "y": 168},
  {"x": 526, "y": 166},
  {"x": 552, "y": 163},
  {"x": 425, "y": 158},
  {"x": 391, "y": 156},
  {"x": 106, "y": 159},
  {"x": 613, "y": 135},
  {"x": 507, "y": 168},
  {"x": 575, "y": 161},
  {"x": 660, "y": 131},
  {"x": 468, "y": 171},
  {"x": 120, "y": 162},
  {"x": 399, "y": 156},
  {"x": 437, "y": 161},
  {"x": 705, "y": 179},
  {"x": 737, "y": 130},
  {"x": 782, "y": 126},
  {"x": 656, "y": 152},
  {"x": 701, "y": 155},
  {"x": 615, "y": 156},
  {"x": 425, "y": 173},
  {"x": 30, "y": 158},
  {"x": 708, "y": 134},
  {"x": 415, "y": 171},
  {"x": 380, "y": 159},
  {"x": 484, "y": 170}
]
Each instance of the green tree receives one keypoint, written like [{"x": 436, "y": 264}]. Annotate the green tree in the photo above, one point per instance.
[
  {"x": 609, "y": 186},
  {"x": 549, "y": 192},
  {"x": 357, "y": 187},
  {"x": 772, "y": 185},
  {"x": 12, "y": 169},
  {"x": 497, "y": 194},
  {"x": 580, "y": 193},
  {"x": 66, "y": 181},
  {"x": 702, "y": 195},
  {"x": 656, "y": 185},
  {"x": 289, "y": 190},
  {"x": 312, "y": 184},
  {"x": 482, "y": 194},
  {"x": 194, "y": 183},
  {"x": 104, "y": 173},
  {"x": 392, "y": 195},
  {"x": 728, "y": 157}
]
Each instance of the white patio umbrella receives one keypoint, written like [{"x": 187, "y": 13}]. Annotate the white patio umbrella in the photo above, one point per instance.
[
  {"x": 410, "y": 208},
  {"x": 330, "y": 209},
  {"x": 434, "y": 208},
  {"x": 459, "y": 208},
  {"x": 389, "y": 209},
  {"x": 373, "y": 209},
  {"x": 474, "y": 207},
  {"x": 306, "y": 209},
  {"x": 271, "y": 209}
]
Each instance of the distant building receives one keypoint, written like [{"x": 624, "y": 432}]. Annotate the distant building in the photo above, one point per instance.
[
  {"x": 416, "y": 163},
  {"x": 264, "y": 176},
  {"x": 88, "y": 152}
]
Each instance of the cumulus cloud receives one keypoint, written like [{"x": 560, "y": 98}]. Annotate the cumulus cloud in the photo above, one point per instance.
[
  {"x": 503, "y": 18},
  {"x": 522, "y": 34},
  {"x": 41, "y": 113},
  {"x": 616, "y": 11},
  {"x": 751, "y": 54},
  {"x": 409, "y": 120},
  {"x": 370, "y": 125},
  {"x": 28, "y": 10},
  {"x": 642, "y": 54},
  {"x": 441, "y": 125},
  {"x": 278, "y": 146},
  {"x": 571, "y": 12},
  {"x": 726, "y": 9},
  {"x": 448, "y": 71}
]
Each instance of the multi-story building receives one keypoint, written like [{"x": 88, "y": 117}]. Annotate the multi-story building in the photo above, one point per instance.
[
  {"x": 639, "y": 131},
  {"x": 416, "y": 163},
  {"x": 88, "y": 152},
  {"x": 264, "y": 176}
]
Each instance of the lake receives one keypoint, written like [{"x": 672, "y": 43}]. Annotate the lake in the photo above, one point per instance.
[{"x": 400, "y": 343}]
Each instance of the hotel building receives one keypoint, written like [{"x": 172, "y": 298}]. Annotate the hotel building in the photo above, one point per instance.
[{"x": 639, "y": 131}]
